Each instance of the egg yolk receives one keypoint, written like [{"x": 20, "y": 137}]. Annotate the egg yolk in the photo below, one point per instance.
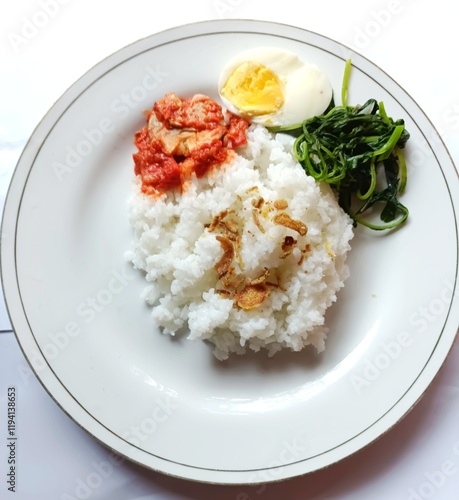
[{"x": 254, "y": 89}]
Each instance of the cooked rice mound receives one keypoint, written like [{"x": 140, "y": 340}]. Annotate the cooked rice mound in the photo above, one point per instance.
[{"x": 249, "y": 256}]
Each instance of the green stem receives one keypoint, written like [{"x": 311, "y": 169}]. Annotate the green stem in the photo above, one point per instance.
[
  {"x": 345, "y": 85},
  {"x": 372, "y": 184},
  {"x": 382, "y": 227},
  {"x": 402, "y": 166},
  {"x": 390, "y": 144}
]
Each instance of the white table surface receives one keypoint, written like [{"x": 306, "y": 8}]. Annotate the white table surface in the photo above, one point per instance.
[{"x": 413, "y": 41}]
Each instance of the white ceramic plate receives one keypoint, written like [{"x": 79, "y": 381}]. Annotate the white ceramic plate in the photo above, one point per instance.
[{"x": 76, "y": 309}]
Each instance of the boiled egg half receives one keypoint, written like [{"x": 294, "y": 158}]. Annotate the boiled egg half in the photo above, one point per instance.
[{"x": 272, "y": 86}]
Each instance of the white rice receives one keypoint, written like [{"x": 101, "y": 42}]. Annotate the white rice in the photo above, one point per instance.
[{"x": 173, "y": 246}]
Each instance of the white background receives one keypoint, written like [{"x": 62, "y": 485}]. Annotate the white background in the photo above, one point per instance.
[{"x": 44, "y": 47}]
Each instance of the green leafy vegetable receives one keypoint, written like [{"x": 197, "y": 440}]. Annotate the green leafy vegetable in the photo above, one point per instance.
[{"x": 355, "y": 149}]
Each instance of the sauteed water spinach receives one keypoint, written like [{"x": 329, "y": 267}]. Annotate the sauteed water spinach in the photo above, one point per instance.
[{"x": 358, "y": 150}]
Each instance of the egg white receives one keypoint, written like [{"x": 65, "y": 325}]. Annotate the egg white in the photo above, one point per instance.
[{"x": 307, "y": 91}]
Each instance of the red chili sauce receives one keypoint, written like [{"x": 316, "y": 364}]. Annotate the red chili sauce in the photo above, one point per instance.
[{"x": 182, "y": 137}]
